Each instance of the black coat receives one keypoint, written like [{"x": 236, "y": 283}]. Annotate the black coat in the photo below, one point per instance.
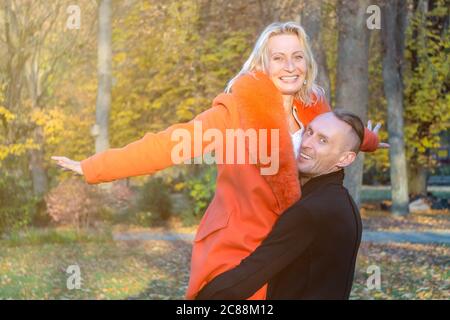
[{"x": 309, "y": 254}]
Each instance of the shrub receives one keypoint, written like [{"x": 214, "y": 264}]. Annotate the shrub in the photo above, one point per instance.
[
  {"x": 17, "y": 204},
  {"x": 120, "y": 197},
  {"x": 201, "y": 189},
  {"x": 153, "y": 202},
  {"x": 75, "y": 203}
]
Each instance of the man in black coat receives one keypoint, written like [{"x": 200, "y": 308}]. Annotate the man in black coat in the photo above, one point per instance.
[{"x": 311, "y": 251}]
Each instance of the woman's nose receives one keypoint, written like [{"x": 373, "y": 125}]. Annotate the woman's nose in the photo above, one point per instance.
[{"x": 289, "y": 66}]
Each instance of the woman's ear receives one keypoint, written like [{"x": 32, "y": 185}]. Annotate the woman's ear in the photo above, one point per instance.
[{"x": 346, "y": 159}]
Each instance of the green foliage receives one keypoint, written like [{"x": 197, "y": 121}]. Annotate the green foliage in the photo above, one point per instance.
[
  {"x": 427, "y": 99},
  {"x": 41, "y": 237},
  {"x": 17, "y": 209},
  {"x": 153, "y": 204},
  {"x": 201, "y": 189}
]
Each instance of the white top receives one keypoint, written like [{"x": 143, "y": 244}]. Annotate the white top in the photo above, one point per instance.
[
  {"x": 297, "y": 136},
  {"x": 297, "y": 141}
]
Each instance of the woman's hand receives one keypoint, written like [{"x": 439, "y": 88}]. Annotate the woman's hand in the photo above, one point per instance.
[
  {"x": 375, "y": 130},
  {"x": 68, "y": 164}
]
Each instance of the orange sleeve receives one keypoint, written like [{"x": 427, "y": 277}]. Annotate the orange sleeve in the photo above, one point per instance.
[
  {"x": 370, "y": 142},
  {"x": 153, "y": 151}
]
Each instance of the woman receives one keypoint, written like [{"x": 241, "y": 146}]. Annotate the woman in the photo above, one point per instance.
[{"x": 274, "y": 90}]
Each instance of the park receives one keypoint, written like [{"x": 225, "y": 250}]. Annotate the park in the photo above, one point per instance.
[{"x": 80, "y": 79}]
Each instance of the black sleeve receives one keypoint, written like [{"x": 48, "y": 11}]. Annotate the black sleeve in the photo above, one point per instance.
[{"x": 291, "y": 235}]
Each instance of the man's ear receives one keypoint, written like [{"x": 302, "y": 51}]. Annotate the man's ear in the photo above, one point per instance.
[{"x": 346, "y": 159}]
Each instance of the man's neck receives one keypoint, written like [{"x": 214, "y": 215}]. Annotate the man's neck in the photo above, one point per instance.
[{"x": 305, "y": 179}]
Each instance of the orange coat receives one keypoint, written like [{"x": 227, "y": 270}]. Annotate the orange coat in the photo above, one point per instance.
[{"x": 246, "y": 204}]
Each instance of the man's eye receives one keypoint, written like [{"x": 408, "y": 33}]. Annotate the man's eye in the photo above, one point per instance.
[
  {"x": 309, "y": 132},
  {"x": 323, "y": 140}
]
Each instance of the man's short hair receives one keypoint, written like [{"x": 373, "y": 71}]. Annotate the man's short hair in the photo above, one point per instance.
[{"x": 355, "y": 123}]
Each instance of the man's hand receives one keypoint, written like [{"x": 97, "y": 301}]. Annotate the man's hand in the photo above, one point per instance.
[
  {"x": 68, "y": 164},
  {"x": 375, "y": 130}
]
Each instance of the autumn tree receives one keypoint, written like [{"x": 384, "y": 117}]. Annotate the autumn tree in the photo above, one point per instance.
[
  {"x": 311, "y": 19},
  {"x": 393, "y": 38},
  {"x": 352, "y": 74},
  {"x": 427, "y": 99}
]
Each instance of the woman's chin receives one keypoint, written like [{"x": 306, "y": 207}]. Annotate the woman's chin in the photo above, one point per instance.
[{"x": 289, "y": 90}]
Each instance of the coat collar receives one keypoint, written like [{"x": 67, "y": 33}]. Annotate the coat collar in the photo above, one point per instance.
[
  {"x": 319, "y": 182},
  {"x": 260, "y": 106}
]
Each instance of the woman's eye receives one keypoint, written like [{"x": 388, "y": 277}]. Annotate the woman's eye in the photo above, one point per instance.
[
  {"x": 299, "y": 57},
  {"x": 323, "y": 140}
]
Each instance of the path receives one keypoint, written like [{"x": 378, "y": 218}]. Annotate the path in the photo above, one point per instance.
[{"x": 368, "y": 236}]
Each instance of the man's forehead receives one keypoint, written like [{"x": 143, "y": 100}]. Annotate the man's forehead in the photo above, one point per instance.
[{"x": 328, "y": 124}]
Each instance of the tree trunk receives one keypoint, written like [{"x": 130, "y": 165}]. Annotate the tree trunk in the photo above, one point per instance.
[
  {"x": 393, "y": 39},
  {"x": 417, "y": 180},
  {"x": 38, "y": 171},
  {"x": 311, "y": 20},
  {"x": 352, "y": 76},
  {"x": 37, "y": 163},
  {"x": 103, "y": 106}
]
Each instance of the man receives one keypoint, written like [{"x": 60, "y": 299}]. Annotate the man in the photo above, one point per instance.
[{"x": 311, "y": 251}]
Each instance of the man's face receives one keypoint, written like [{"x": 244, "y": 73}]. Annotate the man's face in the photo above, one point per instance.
[{"x": 325, "y": 146}]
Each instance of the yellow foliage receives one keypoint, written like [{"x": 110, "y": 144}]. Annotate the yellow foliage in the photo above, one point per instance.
[{"x": 9, "y": 116}]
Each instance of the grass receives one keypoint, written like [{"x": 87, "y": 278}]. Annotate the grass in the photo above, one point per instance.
[
  {"x": 33, "y": 265},
  {"x": 408, "y": 271},
  {"x": 33, "y": 236},
  {"x": 109, "y": 270}
]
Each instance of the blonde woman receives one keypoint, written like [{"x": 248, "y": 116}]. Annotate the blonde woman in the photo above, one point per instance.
[{"x": 275, "y": 90}]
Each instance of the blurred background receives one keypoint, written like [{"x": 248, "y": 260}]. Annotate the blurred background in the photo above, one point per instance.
[{"x": 77, "y": 77}]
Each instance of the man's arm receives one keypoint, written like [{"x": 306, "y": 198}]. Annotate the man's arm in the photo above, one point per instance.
[{"x": 292, "y": 234}]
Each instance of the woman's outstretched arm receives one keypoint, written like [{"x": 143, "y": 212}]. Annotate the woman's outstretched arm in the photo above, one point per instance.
[{"x": 154, "y": 151}]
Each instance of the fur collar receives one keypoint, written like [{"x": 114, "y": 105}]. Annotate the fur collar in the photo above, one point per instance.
[{"x": 260, "y": 106}]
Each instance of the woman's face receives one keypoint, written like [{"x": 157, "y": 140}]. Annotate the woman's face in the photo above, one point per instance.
[{"x": 287, "y": 63}]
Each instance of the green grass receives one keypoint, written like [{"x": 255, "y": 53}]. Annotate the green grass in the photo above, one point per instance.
[
  {"x": 32, "y": 236},
  {"x": 33, "y": 266}
]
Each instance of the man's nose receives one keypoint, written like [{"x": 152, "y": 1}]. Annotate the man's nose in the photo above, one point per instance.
[{"x": 306, "y": 142}]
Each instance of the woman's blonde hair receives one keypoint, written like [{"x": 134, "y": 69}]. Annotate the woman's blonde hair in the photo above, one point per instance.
[{"x": 259, "y": 59}]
